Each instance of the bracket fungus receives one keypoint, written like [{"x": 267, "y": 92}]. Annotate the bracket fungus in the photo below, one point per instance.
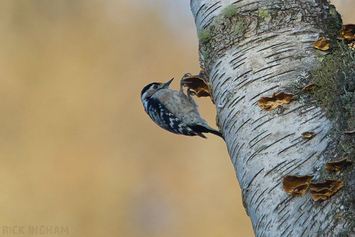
[
  {"x": 309, "y": 87},
  {"x": 197, "y": 83},
  {"x": 337, "y": 165},
  {"x": 270, "y": 103},
  {"x": 325, "y": 189},
  {"x": 322, "y": 43},
  {"x": 350, "y": 131},
  {"x": 308, "y": 135},
  {"x": 296, "y": 185},
  {"x": 347, "y": 32}
]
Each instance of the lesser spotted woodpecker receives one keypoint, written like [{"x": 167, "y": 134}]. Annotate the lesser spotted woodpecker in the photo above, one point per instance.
[{"x": 174, "y": 111}]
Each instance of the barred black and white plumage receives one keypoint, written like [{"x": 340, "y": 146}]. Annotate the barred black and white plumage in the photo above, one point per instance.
[{"x": 174, "y": 111}]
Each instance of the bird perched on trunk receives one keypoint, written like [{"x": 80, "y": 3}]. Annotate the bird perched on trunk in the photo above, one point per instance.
[{"x": 174, "y": 111}]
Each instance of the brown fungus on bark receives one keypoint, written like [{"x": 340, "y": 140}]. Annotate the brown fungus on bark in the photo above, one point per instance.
[
  {"x": 270, "y": 103},
  {"x": 308, "y": 135},
  {"x": 296, "y": 185},
  {"x": 337, "y": 165},
  {"x": 309, "y": 87},
  {"x": 347, "y": 32},
  {"x": 325, "y": 189},
  {"x": 322, "y": 43},
  {"x": 197, "y": 84},
  {"x": 350, "y": 131}
]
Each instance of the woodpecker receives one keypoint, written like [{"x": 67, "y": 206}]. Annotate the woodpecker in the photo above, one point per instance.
[{"x": 174, "y": 111}]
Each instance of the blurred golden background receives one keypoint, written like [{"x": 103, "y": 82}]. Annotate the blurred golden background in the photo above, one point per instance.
[{"x": 78, "y": 151}]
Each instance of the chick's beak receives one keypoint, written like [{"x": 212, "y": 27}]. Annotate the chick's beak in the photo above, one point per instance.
[{"x": 166, "y": 85}]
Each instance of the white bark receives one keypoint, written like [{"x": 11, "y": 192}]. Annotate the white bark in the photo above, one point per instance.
[{"x": 275, "y": 53}]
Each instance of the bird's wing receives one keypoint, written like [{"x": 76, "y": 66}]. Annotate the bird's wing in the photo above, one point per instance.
[{"x": 167, "y": 120}]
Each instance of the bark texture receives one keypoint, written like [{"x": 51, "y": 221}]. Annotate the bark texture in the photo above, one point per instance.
[{"x": 251, "y": 49}]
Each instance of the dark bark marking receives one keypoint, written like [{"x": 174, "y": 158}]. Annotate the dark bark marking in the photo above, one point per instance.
[
  {"x": 237, "y": 1},
  {"x": 259, "y": 119},
  {"x": 242, "y": 125},
  {"x": 227, "y": 121},
  {"x": 214, "y": 76},
  {"x": 233, "y": 64},
  {"x": 222, "y": 75},
  {"x": 256, "y": 136},
  {"x": 237, "y": 101},
  {"x": 286, "y": 229},
  {"x": 303, "y": 32},
  {"x": 235, "y": 146},
  {"x": 232, "y": 125},
  {"x": 198, "y": 11},
  {"x": 234, "y": 159},
  {"x": 289, "y": 234},
  {"x": 308, "y": 109},
  {"x": 209, "y": 13},
  {"x": 275, "y": 45},
  {"x": 255, "y": 153},
  {"x": 282, "y": 217},
  {"x": 236, "y": 58},
  {"x": 238, "y": 65},
  {"x": 263, "y": 92},
  {"x": 217, "y": 64},
  {"x": 244, "y": 50},
  {"x": 280, "y": 52},
  {"x": 266, "y": 227},
  {"x": 279, "y": 59},
  {"x": 299, "y": 217},
  {"x": 317, "y": 114},
  {"x": 314, "y": 219},
  {"x": 252, "y": 197},
  {"x": 261, "y": 194},
  {"x": 248, "y": 4},
  {"x": 285, "y": 149},
  {"x": 225, "y": 81},
  {"x": 281, "y": 203},
  {"x": 270, "y": 190},
  {"x": 304, "y": 203},
  {"x": 279, "y": 74},
  {"x": 242, "y": 75},
  {"x": 254, "y": 178},
  {"x": 267, "y": 38},
  {"x": 286, "y": 165},
  {"x": 241, "y": 82},
  {"x": 251, "y": 81},
  {"x": 281, "y": 210},
  {"x": 260, "y": 221},
  {"x": 263, "y": 123},
  {"x": 280, "y": 140},
  {"x": 260, "y": 140},
  {"x": 309, "y": 42},
  {"x": 222, "y": 96},
  {"x": 237, "y": 155},
  {"x": 303, "y": 162},
  {"x": 304, "y": 231},
  {"x": 293, "y": 110},
  {"x": 275, "y": 167},
  {"x": 325, "y": 135},
  {"x": 265, "y": 68},
  {"x": 231, "y": 111},
  {"x": 257, "y": 207}
]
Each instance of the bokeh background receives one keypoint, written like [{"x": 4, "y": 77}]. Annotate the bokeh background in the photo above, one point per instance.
[{"x": 77, "y": 149}]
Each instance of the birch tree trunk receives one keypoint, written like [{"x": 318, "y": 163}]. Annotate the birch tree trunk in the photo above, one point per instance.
[{"x": 252, "y": 49}]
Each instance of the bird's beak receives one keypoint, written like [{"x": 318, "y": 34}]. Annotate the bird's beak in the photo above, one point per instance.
[{"x": 166, "y": 85}]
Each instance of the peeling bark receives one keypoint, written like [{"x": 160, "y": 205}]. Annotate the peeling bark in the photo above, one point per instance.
[{"x": 266, "y": 47}]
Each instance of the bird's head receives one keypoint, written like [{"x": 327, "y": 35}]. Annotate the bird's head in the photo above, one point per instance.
[{"x": 151, "y": 88}]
